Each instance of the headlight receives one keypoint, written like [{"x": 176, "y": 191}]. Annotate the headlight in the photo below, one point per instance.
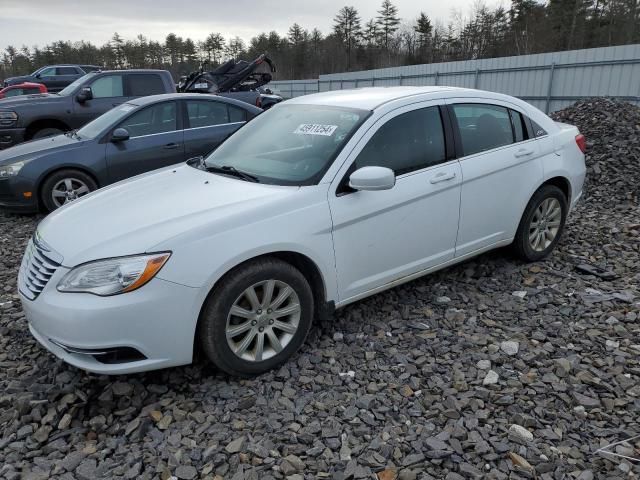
[
  {"x": 7, "y": 118},
  {"x": 10, "y": 170},
  {"x": 113, "y": 275}
]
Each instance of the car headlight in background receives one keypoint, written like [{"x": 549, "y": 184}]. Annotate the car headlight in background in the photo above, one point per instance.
[
  {"x": 8, "y": 117},
  {"x": 10, "y": 170},
  {"x": 113, "y": 275}
]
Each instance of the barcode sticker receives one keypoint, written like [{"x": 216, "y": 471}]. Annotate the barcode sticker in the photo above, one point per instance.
[{"x": 315, "y": 129}]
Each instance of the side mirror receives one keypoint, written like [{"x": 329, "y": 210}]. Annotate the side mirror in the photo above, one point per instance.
[
  {"x": 84, "y": 95},
  {"x": 120, "y": 135},
  {"x": 195, "y": 161},
  {"x": 372, "y": 178},
  {"x": 38, "y": 75}
]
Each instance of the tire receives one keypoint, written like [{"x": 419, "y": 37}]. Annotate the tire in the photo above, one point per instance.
[
  {"x": 47, "y": 132},
  {"x": 216, "y": 318},
  {"x": 59, "y": 181},
  {"x": 541, "y": 227}
]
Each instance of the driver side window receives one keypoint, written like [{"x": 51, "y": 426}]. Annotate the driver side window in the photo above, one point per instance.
[
  {"x": 408, "y": 142},
  {"x": 159, "y": 118},
  {"x": 48, "y": 72}
]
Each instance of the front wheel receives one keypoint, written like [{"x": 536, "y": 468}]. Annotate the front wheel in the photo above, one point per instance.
[
  {"x": 65, "y": 186},
  {"x": 542, "y": 224},
  {"x": 256, "y": 318}
]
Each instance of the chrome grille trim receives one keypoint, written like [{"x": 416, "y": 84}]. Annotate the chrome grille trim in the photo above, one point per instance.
[{"x": 36, "y": 269}]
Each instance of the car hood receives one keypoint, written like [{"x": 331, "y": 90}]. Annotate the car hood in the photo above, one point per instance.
[
  {"x": 37, "y": 98},
  {"x": 36, "y": 148},
  {"x": 162, "y": 207},
  {"x": 20, "y": 79}
]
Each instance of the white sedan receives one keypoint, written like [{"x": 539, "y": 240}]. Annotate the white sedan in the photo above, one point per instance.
[{"x": 319, "y": 202}]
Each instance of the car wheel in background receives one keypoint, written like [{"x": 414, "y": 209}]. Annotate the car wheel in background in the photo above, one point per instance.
[
  {"x": 542, "y": 224},
  {"x": 256, "y": 318},
  {"x": 65, "y": 186},
  {"x": 47, "y": 132}
]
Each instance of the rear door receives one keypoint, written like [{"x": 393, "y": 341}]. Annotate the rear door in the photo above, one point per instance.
[
  {"x": 65, "y": 76},
  {"x": 156, "y": 141},
  {"x": 501, "y": 168},
  {"x": 108, "y": 91},
  {"x": 208, "y": 122}
]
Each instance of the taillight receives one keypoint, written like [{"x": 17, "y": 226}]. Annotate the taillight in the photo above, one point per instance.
[
  {"x": 581, "y": 142},
  {"x": 259, "y": 102}
]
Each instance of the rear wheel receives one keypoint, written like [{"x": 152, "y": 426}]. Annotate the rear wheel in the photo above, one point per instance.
[
  {"x": 65, "y": 186},
  {"x": 47, "y": 132},
  {"x": 257, "y": 318},
  {"x": 542, "y": 224}
]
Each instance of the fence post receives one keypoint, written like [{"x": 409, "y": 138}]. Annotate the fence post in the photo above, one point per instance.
[
  {"x": 401, "y": 77},
  {"x": 341, "y": 84},
  {"x": 373, "y": 81},
  {"x": 435, "y": 80},
  {"x": 553, "y": 67},
  {"x": 475, "y": 79}
]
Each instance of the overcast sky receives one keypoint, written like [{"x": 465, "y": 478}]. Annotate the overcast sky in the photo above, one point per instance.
[{"x": 38, "y": 22}]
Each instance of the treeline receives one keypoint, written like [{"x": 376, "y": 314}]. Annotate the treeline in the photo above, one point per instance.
[{"x": 356, "y": 44}]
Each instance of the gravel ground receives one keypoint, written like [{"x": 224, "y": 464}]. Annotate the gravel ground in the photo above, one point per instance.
[{"x": 490, "y": 369}]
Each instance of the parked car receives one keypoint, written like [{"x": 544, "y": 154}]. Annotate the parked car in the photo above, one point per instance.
[
  {"x": 320, "y": 201},
  {"x": 30, "y": 118},
  {"x": 133, "y": 138},
  {"x": 54, "y": 77},
  {"x": 25, "y": 88}
]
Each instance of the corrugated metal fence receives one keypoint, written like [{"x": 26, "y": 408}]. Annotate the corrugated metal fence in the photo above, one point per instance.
[{"x": 549, "y": 81}]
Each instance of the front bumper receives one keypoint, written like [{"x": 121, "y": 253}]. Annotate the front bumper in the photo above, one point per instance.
[
  {"x": 157, "y": 320},
  {"x": 11, "y": 136},
  {"x": 12, "y": 194}
]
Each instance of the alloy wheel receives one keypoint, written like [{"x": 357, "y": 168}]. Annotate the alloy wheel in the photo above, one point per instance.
[
  {"x": 263, "y": 320},
  {"x": 68, "y": 190},
  {"x": 545, "y": 224}
]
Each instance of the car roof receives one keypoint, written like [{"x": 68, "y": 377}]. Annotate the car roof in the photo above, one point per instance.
[
  {"x": 142, "y": 101},
  {"x": 370, "y": 98}
]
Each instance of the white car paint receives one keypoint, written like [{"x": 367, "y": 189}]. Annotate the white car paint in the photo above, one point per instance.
[{"x": 360, "y": 243}]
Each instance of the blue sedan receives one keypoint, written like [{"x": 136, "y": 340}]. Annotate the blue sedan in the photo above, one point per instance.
[{"x": 132, "y": 138}]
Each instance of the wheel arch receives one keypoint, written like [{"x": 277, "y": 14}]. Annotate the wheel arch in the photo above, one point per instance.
[
  {"x": 302, "y": 262},
  {"x": 58, "y": 168},
  {"x": 39, "y": 124},
  {"x": 562, "y": 183}
]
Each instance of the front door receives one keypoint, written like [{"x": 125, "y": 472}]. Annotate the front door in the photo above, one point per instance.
[
  {"x": 108, "y": 92},
  {"x": 155, "y": 141},
  {"x": 383, "y": 236},
  {"x": 500, "y": 167}
]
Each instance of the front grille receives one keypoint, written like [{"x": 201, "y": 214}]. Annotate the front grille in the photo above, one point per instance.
[{"x": 36, "y": 270}]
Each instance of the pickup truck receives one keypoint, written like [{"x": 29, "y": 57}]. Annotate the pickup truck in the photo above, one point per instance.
[{"x": 31, "y": 117}]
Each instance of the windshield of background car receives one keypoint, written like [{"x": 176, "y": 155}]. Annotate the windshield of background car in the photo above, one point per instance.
[
  {"x": 69, "y": 89},
  {"x": 289, "y": 144},
  {"x": 105, "y": 121}
]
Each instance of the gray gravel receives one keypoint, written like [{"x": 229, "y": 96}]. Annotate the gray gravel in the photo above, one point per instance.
[{"x": 459, "y": 375}]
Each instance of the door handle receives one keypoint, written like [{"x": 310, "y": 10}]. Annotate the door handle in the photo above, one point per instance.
[
  {"x": 171, "y": 146},
  {"x": 523, "y": 152},
  {"x": 442, "y": 177}
]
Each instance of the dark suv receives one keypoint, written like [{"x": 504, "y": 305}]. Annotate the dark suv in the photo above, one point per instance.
[
  {"x": 54, "y": 77},
  {"x": 38, "y": 116}
]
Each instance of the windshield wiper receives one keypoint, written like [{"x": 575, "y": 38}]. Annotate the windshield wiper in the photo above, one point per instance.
[{"x": 229, "y": 170}]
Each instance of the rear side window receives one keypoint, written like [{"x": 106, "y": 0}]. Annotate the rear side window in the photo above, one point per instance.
[
  {"x": 68, "y": 71},
  {"x": 411, "y": 141},
  {"x": 538, "y": 131},
  {"x": 107, "y": 86},
  {"x": 158, "y": 118},
  {"x": 237, "y": 114},
  {"x": 14, "y": 92},
  {"x": 483, "y": 127},
  {"x": 89, "y": 68},
  {"x": 203, "y": 113},
  {"x": 141, "y": 85}
]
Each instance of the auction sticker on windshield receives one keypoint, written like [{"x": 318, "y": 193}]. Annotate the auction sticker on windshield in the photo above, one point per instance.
[{"x": 315, "y": 129}]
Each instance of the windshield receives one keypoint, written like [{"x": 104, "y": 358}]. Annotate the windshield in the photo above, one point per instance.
[
  {"x": 69, "y": 89},
  {"x": 289, "y": 144},
  {"x": 105, "y": 121}
]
